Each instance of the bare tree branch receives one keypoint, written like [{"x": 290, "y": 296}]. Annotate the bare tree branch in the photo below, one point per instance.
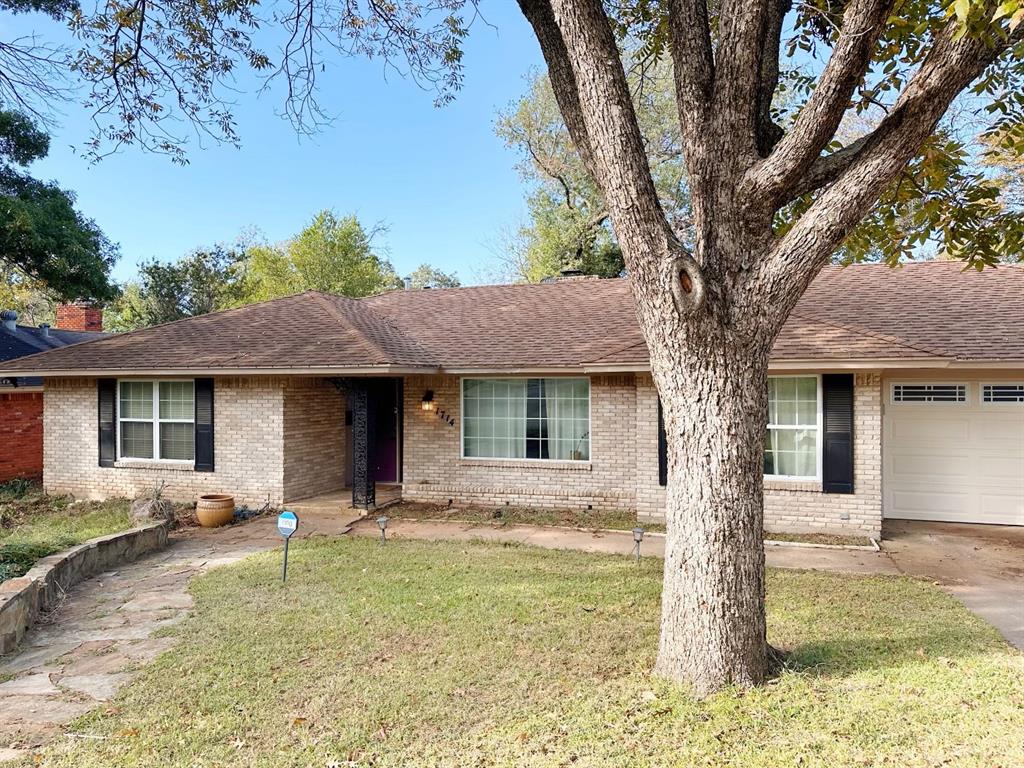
[
  {"x": 741, "y": 41},
  {"x": 768, "y": 133},
  {"x": 694, "y": 66},
  {"x": 863, "y": 23},
  {"x": 864, "y": 169},
  {"x": 563, "y": 80}
]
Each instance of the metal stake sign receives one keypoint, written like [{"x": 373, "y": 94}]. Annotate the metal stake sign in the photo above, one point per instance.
[{"x": 287, "y": 524}]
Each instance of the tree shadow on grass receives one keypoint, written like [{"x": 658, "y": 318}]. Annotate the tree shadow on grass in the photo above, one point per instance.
[{"x": 850, "y": 655}]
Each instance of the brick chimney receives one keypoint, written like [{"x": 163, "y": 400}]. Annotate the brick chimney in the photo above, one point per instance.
[{"x": 80, "y": 315}]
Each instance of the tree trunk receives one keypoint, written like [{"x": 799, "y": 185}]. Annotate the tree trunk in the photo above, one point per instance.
[{"x": 714, "y": 395}]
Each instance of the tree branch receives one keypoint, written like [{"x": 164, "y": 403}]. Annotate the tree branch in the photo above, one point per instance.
[
  {"x": 560, "y": 73},
  {"x": 693, "y": 62},
  {"x": 768, "y": 133},
  {"x": 742, "y": 25},
  {"x": 590, "y": 85},
  {"x": 814, "y": 127},
  {"x": 863, "y": 170}
]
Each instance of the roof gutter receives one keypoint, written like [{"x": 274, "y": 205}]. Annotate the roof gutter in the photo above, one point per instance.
[{"x": 383, "y": 370}]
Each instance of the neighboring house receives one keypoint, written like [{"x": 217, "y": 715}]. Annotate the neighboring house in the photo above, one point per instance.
[
  {"x": 21, "y": 398},
  {"x": 894, "y": 393}
]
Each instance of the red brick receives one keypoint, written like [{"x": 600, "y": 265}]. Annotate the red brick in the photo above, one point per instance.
[{"x": 21, "y": 435}]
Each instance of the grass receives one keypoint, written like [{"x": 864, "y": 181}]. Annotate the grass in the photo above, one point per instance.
[
  {"x": 510, "y": 515},
  {"x": 34, "y": 525},
  {"x": 575, "y": 518},
  {"x": 453, "y": 654}
]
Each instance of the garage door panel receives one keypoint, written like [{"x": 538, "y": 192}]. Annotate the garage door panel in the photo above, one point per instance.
[
  {"x": 1006, "y": 470},
  {"x": 927, "y": 465},
  {"x": 954, "y": 462},
  {"x": 1007, "y": 432},
  {"x": 1006, "y": 509},
  {"x": 915, "y": 431}
]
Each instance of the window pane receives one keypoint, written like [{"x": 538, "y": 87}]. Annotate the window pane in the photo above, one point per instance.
[
  {"x": 531, "y": 418},
  {"x": 791, "y": 452},
  {"x": 136, "y": 400},
  {"x": 137, "y": 439},
  {"x": 177, "y": 441},
  {"x": 176, "y": 400}
]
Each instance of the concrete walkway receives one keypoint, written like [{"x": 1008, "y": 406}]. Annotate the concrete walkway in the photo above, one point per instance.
[
  {"x": 621, "y": 543},
  {"x": 101, "y": 635},
  {"x": 980, "y": 565}
]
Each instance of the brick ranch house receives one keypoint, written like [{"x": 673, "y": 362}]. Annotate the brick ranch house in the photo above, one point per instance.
[
  {"x": 21, "y": 398},
  {"x": 894, "y": 393}
]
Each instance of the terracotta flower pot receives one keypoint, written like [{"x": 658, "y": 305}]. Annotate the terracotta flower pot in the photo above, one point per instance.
[{"x": 215, "y": 509}]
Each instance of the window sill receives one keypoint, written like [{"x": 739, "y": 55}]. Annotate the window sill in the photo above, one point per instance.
[
  {"x": 780, "y": 484},
  {"x": 542, "y": 464},
  {"x": 173, "y": 466}
]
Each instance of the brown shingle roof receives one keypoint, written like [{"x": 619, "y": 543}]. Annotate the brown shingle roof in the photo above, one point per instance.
[{"x": 924, "y": 312}]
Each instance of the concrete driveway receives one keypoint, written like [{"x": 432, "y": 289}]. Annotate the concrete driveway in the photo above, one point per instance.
[{"x": 981, "y": 565}]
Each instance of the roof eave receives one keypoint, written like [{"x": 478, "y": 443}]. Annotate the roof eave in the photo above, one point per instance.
[{"x": 378, "y": 370}]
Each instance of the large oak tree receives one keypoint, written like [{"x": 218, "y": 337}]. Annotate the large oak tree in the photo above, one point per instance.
[{"x": 772, "y": 196}]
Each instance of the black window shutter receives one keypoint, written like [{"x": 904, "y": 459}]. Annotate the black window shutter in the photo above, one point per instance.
[
  {"x": 204, "y": 425},
  {"x": 106, "y": 390},
  {"x": 662, "y": 448},
  {"x": 837, "y": 460}
]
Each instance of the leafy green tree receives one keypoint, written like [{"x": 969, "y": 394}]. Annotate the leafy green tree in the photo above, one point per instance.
[
  {"x": 31, "y": 299},
  {"x": 426, "y": 276},
  {"x": 203, "y": 281},
  {"x": 332, "y": 254},
  {"x": 569, "y": 226},
  {"x": 41, "y": 233}
]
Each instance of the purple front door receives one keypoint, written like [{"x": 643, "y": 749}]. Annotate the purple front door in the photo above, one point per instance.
[{"x": 386, "y": 417}]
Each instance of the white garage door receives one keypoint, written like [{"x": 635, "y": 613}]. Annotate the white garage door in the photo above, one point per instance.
[{"x": 954, "y": 451}]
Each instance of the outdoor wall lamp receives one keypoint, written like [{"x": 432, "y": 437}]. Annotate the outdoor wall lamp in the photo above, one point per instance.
[
  {"x": 427, "y": 404},
  {"x": 382, "y": 523},
  {"x": 638, "y": 536}
]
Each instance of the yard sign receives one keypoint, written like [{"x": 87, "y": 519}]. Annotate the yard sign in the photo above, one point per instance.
[{"x": 287, "y": 524}]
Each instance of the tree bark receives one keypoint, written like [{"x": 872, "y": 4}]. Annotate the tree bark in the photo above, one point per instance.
[{"x": 714, "y": 390}]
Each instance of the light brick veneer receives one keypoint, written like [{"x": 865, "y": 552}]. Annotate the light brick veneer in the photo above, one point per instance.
[
  {"x": 623, "y": 470},
  {"x": 315, "y": 454},
  {"x": 802, "y": 507},
  {"x": 788, "y": 507},
  {"x": 285, "y": 438},
  {"x": 248, "y": 446},
  {"x": 435, "y": 471}
]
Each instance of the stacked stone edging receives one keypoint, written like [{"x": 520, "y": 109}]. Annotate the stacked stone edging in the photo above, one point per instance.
[{"x": 23, "y": 599}]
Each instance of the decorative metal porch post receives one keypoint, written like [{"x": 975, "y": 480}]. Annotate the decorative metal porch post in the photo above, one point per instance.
[{"x": 363, "y": 489}]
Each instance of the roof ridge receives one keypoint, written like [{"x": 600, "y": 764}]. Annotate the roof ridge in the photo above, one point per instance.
[
  {"x": 453, "y": 288},
  {"x": 337, "y": 314},
  {"x": 874, "y": 334}
]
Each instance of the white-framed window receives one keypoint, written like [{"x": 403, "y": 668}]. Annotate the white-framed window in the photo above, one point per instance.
[
  {"x": 793, "y": 442},
  {"x": 156, "y": 420},
  {"x": 913, "y": 392},
  {"x": 522, "y": 418},
  {"x": 1002, "y": 393}
]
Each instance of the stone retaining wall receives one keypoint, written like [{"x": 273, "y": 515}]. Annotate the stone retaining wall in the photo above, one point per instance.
[{"x": 23, "y": 599}]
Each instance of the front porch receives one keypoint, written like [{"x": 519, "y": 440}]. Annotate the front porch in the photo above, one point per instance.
[{"x": 334, "y": 502}]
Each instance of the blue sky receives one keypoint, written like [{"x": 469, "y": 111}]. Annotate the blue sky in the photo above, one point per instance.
[{"x": 438, "y": 177}]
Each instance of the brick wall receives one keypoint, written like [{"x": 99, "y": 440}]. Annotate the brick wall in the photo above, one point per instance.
[
  {"x": 79, "y": 316},
  {"x": 286, "y": 439},
  {"x": 248, "y": 446},
  {"x": 788, "y": 506},
  {"x": 435, "y": 472},
  {"x": 315, "y": 455},
  {"x": 21, "y": 435}
]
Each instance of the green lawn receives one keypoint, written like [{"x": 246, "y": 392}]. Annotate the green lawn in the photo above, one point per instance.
[
  {"x": 426, "y": 654},
  {"x": 33, "y": 525}
]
